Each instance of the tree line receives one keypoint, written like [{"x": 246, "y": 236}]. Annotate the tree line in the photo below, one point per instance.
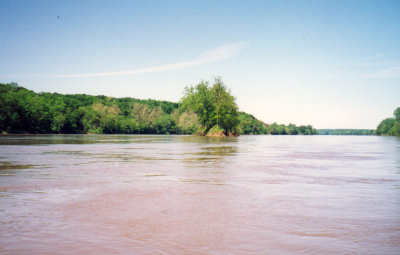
[
  {"x": 346, "y": 131},
  {"x": 390, "y": 126},
  {"x": 25, "y": 111}
]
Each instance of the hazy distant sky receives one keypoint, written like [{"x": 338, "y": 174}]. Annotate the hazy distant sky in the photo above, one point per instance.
[{"x": 331, "y": 64}]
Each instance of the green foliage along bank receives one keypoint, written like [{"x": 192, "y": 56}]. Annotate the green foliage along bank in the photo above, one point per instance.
[
  {"x": 390, "y": 126},
  {"x": 346, "y": 132},
  {"x": 25, "y": 111}
]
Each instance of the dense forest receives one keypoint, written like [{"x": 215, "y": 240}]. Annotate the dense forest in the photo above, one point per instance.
[
  {"x": 346, "y": 132},
  {"x": 390, "y": 126},
  {"x": 25, "y": 111}
]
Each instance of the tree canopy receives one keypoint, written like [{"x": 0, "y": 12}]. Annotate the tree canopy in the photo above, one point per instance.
[
  {"x": 390, "y": 126},
  {"x": 202, "y": 107},
  {"x": 346, "y": 131},
  {"x": 214, "y": 106}
]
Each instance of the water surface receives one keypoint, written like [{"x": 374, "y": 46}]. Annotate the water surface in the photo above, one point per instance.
[{"x": 123, "y": 194}]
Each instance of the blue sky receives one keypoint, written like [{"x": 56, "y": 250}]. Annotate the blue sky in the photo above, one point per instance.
[{"x": 331, "y": 64}]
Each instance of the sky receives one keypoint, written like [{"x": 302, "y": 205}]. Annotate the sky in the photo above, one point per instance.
[{"x": 330, "y": 64}]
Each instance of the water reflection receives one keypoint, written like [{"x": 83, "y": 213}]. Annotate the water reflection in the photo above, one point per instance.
[
  {"x": 218, "y": 150},
  {"x": 210, "y": 154},
  {"x": 207, "y": 140},
  {"x": 5, "y": 165}
]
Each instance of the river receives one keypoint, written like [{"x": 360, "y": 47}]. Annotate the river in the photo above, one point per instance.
[{"x": 133, "y": 194}]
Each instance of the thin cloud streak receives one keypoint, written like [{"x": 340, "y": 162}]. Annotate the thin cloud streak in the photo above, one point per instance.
[
  {"x": 369, "y": 64},
  {"x": 211, "y": 56},
  {"x": 373, "y": 60},
  {"x": 392, "y": 72},
  {"x": 378, "y": 56}
]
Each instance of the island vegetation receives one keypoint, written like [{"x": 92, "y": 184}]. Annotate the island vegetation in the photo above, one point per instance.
[
  {"x": 215, "y": 108},
  {"x": 390, "y": 126},
  {"x": 204, "y": 109}
]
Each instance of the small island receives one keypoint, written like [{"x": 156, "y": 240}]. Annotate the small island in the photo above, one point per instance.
[{"x": 214, "y": 107}]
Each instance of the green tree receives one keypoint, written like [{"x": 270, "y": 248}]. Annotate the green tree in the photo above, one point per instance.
[
  {"x": 203, "y": 107},
  {"x": 395, "y": 130},
  {"x": 57, "y": 123},
  {"x": 390, "y": 126},
  {"x": 214, "y": 106},
  {"x": 292, "y": 129},
  {"x": 199, "y": 100},
  {"x": 385, "y": 125},
  {"x": 226, "y": 110},
  {"x": 397, "y": 114}
]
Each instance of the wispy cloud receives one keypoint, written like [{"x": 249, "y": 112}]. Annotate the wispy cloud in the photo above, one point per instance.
[
  {"x": 376, "y": 60},
  {"x": 392, "y": 69},
  {"x": 217, "y": 54},
  {"x": 372, "y": 64},
  {"x": 392, "y": 72},
  {"x": 378, "y": 56}
]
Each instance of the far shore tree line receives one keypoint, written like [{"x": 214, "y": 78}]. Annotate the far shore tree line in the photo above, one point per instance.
[
  {"x": 204, "y": 109},
  {"x": 346, "y": 131}
]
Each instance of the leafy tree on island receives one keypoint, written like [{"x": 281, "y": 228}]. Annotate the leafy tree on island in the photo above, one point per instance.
[{"x": 214, "y": 106}]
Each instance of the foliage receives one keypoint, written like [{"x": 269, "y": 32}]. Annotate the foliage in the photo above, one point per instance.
[
  {"x": 390, "y": 126},
  {"x": 213, "y": 105},
  {"x": 216, "y": 131},
  {"x": 248, "y": 124},
  {"x": 24, "y": 111},
  {"x": 346, "y": 132},
  {"x": 291, "y": 129}
]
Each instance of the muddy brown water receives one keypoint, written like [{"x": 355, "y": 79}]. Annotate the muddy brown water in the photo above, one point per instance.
[{"x": 131, "y": 194}]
